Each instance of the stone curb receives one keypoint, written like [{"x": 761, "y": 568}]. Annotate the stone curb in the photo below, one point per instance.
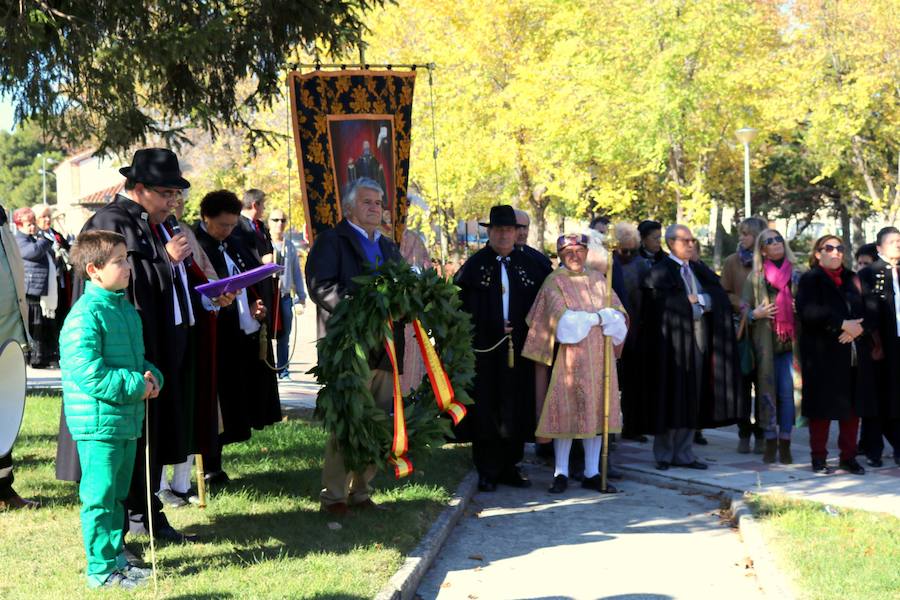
[
  {"x": 404, "y": 583},
  {"x": 771, "y": 580}
]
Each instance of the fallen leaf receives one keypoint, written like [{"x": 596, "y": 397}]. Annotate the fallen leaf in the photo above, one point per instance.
[{"x": 445, "y": 585}]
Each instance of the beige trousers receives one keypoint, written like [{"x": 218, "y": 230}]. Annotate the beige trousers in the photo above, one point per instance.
[{"x": 353, "y": 487}]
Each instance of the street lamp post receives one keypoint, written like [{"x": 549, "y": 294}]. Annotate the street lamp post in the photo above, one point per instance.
[
  {"x": 44, "y": 161},
  {"x": 745, "y": 135}
]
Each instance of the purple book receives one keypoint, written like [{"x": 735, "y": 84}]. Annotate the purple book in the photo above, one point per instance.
[{"x": 238, "y": 282}]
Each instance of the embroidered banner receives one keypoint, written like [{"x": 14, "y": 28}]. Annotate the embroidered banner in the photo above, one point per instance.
[{"x": 347, "y": 125}]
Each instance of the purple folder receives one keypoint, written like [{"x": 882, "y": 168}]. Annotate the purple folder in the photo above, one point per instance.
[{"x": 238, "y": 282}]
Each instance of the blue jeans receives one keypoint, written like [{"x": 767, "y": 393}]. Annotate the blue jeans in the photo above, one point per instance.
[
  {"x": 784, "y": 392},
  {"x": 283, "y": 339}
]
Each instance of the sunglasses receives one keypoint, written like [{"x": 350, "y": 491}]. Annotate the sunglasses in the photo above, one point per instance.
[
  {"x": 828, "y": 248},
  {"x": 773, "y": 240},
  {"x": 627, "y": 251}
]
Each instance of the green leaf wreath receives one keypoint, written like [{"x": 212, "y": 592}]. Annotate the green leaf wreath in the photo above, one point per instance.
[{"x": 357, "y": 327}]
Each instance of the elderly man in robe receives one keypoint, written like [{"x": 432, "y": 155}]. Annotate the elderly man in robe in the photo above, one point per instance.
[
  {"x": 687, "y": 344},
  {"x": 572, "y": 311}
]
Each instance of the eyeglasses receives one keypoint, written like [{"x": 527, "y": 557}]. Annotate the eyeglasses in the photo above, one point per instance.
[
  {"x": 828, "y": 248},
  {"x": 167, "y": 194},
  {"x": 775, "y": 240},
  {"x": 627, "y": 251},
  {"x": 687, "y": 240},
  {"x": 278, "y": 220}
]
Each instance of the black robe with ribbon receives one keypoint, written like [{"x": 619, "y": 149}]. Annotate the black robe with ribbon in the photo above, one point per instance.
[
  {"x": 671, "y": 393},
  {"x": 504, "y": 398},
  {"x": 879, "y": 301},
  {"x": 247, "y": 388}
]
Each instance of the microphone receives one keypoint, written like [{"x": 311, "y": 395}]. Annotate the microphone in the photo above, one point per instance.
[{"x": 172, "y": 223}]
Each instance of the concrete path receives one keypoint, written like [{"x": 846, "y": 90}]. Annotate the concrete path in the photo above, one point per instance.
[{"x": 647, "y": 542}]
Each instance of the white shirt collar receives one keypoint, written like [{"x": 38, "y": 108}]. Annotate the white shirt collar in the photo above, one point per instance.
[
  {"x": 680, "y": 262},
  {"x": 363, "y": 231}
]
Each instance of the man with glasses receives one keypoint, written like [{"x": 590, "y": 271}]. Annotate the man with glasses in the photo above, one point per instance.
[
  {"x": 523, "y": 224},
  {"x": 152, "y": 188},
  {"x": 686, "y": 341},
  {"x": 292, "y": 292}
]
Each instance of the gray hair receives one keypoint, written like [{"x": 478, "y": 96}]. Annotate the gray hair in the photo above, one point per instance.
[
  {"x": 627, "y": 232},
  {"x": 362, "y": 183},
  {"x": 39, "y": 209},
  {"x": 672, "y": 231},
  {"x": 252, "y": 197},
  {"x": 754, "y": 225}
]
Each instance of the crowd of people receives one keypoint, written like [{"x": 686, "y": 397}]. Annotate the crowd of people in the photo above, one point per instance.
[{"x": 673, "y": 349}]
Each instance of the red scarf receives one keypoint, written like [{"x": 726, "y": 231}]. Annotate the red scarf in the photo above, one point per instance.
[
  {"x": 835, "y": 275},
  {"x": 780, "y": 279}
]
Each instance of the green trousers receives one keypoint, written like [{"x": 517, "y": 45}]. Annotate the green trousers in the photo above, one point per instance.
[{"x": 106, "y": 468}]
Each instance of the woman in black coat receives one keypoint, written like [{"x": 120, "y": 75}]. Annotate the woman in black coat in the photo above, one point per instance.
[{"x": 835, "y": 354}]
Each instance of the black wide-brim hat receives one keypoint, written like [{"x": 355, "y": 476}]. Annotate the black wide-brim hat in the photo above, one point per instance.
[
  {"x": 501, "y": 215},
  {"x": 156, "y": 166}
]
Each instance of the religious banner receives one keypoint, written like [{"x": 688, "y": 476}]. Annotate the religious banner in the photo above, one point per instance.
[{"x": 349, "y": 125}]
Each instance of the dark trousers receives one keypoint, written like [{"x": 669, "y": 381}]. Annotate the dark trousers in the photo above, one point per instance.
[
  {"x": 6, "y": 476},
  {"x": 818, "y": 437},
  {"x": 493, "y": 457},
  {"x": 873, "y": 433},
  {"x": 212, "y": 460},
  {"x": 745, "y": 427}
]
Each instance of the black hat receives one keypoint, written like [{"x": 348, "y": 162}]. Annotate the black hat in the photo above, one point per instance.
[
  {"x": 500, "y": 216},
  {"x": 156, "y": 166}
]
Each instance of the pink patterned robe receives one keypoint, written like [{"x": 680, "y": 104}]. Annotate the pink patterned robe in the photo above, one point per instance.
[{"x": 573, "y": 407}]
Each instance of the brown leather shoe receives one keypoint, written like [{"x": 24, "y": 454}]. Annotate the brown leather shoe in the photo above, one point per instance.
[
  {"x": 338, "y": 509},
  {"x": 14, "y": 501}
]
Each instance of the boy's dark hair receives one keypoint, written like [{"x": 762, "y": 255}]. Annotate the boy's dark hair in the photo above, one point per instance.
[
  {"x": 218, "y": 202},
  {"x": 94, "y": 247},
  {"x": 867, "y": 250},
  {"x": 884, "y": 232}
]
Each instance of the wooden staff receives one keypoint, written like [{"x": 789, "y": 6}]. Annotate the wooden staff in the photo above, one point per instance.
[
  {"x": 608, "y": 366},
  {"x": 201, "y": 481}
]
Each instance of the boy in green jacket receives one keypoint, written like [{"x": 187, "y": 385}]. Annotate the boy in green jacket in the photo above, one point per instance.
[{"x": 105, "y": 382}]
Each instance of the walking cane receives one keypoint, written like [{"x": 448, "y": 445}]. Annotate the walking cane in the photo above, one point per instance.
[
  {"x": 149, "y": 495},
  {"x": 201, "y": 481},
  {"x": 608, "y": 365}
]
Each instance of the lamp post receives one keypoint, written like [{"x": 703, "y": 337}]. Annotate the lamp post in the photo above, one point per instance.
[
  {"x": 745, "y": 135},
  {"x": 44, "y": 161}
]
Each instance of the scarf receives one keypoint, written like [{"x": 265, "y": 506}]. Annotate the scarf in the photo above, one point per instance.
[
  {"x": 780, "y": 279},
  {"x": 835, "y": 275},
  {"x": 745, "y": 255}
]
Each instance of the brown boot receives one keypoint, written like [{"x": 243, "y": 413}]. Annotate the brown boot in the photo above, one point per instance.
[
  {"x": 769, "y": 452},
  {"x": 784, "y": 452}
]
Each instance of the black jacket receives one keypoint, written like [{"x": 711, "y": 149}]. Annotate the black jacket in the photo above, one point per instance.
[
  {"x": 36, "y": 254},
  {"x": 879, "y": 301},
  {"x": 832, "y": 387},
  {"x": 336, "y": 257}
]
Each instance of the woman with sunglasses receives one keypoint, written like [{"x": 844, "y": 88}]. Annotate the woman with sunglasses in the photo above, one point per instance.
[
  {"x": 769, "y": 290},
  {"x": 835, "y": 353}
]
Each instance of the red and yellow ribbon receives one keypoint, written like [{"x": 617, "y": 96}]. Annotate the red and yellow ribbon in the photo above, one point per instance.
[
  {"x": 443, "y": 393},
  {"x": 440, "y": 382},
  {"x": 400, "y": 443}
]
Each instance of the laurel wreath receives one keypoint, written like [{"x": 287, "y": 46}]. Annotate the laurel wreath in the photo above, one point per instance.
[{"x": 358, "y": 328}]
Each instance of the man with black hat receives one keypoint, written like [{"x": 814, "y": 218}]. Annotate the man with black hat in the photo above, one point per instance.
[
  {"x": 498, "y": 287},
  {"x": 152, "y": 187}
]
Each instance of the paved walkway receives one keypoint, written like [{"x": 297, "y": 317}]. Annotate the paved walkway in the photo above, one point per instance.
[{"x": 646, "y": 542}]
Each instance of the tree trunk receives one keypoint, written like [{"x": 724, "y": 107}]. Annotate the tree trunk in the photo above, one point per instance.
[
  {"x": 859, "y": 162},
  {"x": 676, "y": 175},
  {"x": 845, "y": 232},
  {"x": 719, "y": 238}
]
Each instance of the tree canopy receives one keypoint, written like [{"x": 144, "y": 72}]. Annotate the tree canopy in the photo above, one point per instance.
[{"x": 112, "y": 72}]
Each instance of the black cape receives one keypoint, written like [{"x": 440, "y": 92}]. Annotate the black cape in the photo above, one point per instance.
[
  {"x": 247, "y": 387},
  {"x": 879, "y": 302},
  {"x": 150, "y": 290},
  {"x": 504, "y": 398},
  {"x": 671, "y": 394},
  {"x": 832, "y": 387}
]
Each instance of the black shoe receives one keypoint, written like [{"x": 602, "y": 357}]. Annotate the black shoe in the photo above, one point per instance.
[
  {"x": 699, "y": 439},
  {"x": 636, "y": 438},
  {"x": 851, "y": 466},
  {"x": 560, "y": 484},
  {"x": 874, "y": 462},
  {"x": 486, "y": 485},
  {"x": 217, "y": 478},
  {"x": 513, "y": 477},
  {"x": 595, "y": 483},
  {"x": 173, "y": 536},
  {"x": 662, "y": 466},
  {"x": 697, "y": 465},
  {"x": 820, "y": 465}
]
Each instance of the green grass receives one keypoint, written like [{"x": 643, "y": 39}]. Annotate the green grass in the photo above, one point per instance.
[
  {"x": 853, "y": 555},
  {"x": 263, "y": 536}
]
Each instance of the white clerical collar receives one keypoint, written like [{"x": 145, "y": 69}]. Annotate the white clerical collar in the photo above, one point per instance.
[{"x": 363, "y": 231}]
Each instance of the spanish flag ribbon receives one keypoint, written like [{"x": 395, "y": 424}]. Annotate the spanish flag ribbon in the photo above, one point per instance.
[
  {"x": 437, "y": 375},
  {"x": 400, "y": 443}
]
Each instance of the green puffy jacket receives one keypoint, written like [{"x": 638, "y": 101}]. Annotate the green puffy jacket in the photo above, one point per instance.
[{"x": 101, "y": 348}]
